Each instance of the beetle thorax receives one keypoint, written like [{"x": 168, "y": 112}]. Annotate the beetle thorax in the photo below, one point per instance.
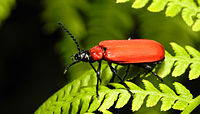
[
  {"x": 97, "y": 53},
  {"x": 83, "y": 55}
]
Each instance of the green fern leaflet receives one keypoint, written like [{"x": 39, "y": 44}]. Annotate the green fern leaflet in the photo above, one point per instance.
[
  {"x": 188, "y": 9},
  {"x": 181, "y": 61}
]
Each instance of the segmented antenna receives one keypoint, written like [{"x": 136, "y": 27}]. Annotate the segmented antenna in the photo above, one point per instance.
[{"x": 65, "y": 29}]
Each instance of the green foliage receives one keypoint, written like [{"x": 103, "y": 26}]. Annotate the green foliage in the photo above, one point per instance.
[
  {"x": 181, "y": 61},
  {"x": 188, "y": 8},
  {"x": 5, "y": 8}
]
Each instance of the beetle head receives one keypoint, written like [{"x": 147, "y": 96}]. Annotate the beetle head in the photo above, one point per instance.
[{"x": 83, "y": 55}]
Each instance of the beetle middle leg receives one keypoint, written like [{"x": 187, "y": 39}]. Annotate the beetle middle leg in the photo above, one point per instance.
[
  {"x": 126, "y": 73},
  {"x": 115, "y": 74},
  {"x": 128, "y": 67},
  {"x": 149, "y": 68}
]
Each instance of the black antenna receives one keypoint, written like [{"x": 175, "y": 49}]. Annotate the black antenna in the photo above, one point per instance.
[
  {"x": 66, "y": 69},
  {"x": 65, "y": 29}
]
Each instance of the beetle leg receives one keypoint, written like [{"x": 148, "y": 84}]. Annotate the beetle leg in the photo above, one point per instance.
[
  {"x": 98, "y": 78},
  {"x": 113, "y": 77},
  {"x": 157, "y": 76},
  {"x": 115, "y": 73},
  {"x": 150, "y": 68},
  {"x": 94, "y": 69},
  {"x": 126, "y": 72},
  {"x": 98, "y": 71},
  {"x": 129, "y": 38}
]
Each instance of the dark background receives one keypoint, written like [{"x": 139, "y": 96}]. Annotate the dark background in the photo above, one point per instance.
[{"x": 29, "y": 65}]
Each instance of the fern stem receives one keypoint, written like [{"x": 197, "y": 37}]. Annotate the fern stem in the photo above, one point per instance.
[
  {"x": 192, "y": 106},
  {"x": 158, "y": 94},
  {"x": 164, "y": 95},
  {"x": 191, "y": 60}
]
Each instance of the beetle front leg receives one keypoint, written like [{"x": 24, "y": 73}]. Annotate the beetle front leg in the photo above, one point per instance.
[
  {"x": 98, "y": 78},
  {"x": 98, "y": 72},
  {"x": 115, "y": 74},
  {"x": 94, "y": 70}
]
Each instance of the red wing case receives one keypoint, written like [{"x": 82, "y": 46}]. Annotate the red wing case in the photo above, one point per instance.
[{"x": 132, "y": 51}]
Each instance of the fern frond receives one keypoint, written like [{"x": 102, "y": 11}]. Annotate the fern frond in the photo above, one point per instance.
[
  {"x": 188, "y": 9},
  {"x": 184, "y": 58},
  {"x": 168, "y": 97},
  {"x": 85, "y": 101},
  {"x": 73, "y": 94}
]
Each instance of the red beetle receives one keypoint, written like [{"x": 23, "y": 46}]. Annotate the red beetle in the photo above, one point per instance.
[{"x": 141, "y": 52}]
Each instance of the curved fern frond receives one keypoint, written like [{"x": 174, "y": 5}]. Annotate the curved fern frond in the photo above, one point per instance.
[
  {"x": 68, "y": 98},
  {"x": 168, "y": 97},
  {"x": 83, "y": 100},
  {"x": 188, "y": 9},
  {"x": 184, "y": 58}
]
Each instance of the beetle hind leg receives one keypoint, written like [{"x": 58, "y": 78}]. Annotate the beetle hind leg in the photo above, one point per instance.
[{"x": 157, "y": 76}]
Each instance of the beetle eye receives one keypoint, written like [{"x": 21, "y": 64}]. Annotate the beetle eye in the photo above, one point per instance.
[{"x": 76, "y": 57}]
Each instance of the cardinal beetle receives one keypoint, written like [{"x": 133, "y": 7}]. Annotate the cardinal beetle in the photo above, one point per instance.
[{"x": 141, "y": 52}]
